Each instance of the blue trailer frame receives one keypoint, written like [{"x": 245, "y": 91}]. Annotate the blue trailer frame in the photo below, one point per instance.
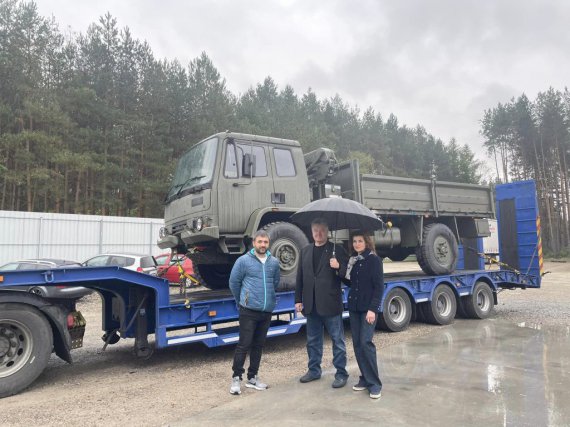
[{"x": 136, "y": 305}]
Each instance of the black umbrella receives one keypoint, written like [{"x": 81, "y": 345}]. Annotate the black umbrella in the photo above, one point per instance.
[{"x": 339, "y": 213}]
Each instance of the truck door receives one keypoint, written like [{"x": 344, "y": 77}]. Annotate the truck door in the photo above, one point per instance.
[
  {"x": 290, "y": 184},
  {"x": 243, "y": 188}
]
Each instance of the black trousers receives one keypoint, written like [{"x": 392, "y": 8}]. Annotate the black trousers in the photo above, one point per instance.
[{"x": 253, "y": 327}]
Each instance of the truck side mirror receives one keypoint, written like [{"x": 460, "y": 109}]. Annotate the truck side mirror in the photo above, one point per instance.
[{"x": 248, "y": 165}]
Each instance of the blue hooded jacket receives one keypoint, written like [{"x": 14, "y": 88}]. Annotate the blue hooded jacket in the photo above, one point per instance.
[{"x": 253, "y": 283}]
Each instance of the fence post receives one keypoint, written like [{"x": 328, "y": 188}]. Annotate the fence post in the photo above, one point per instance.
[
  {"x": 150, "y": 240},
  {"x": 39, "y": 246},
  {"x": 101, "y": 236}
]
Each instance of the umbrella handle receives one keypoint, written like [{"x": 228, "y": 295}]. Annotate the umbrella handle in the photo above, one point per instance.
[{"x": 334, "y": 244}]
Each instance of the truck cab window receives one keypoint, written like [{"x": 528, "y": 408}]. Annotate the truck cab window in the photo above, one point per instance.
[
  {"x": 231, "y": 167},
  {"x": 284, "y": 164},
  {"x": 257, "y": 155},
  {"x": 234, "y": 160}
]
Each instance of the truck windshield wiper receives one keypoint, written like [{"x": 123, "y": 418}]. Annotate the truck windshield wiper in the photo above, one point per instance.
[{"x": 188, "y": 181}]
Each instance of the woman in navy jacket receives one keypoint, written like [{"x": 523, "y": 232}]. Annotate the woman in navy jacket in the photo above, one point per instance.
[{"x": 365, "y": 276}]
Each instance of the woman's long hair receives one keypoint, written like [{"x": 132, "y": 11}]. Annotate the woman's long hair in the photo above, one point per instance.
[{"x": 368, "y": 241}]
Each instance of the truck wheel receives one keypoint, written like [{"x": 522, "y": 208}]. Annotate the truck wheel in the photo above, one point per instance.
[
  {"x": 26, "y": 343},
  {"x": 438, "y": 251},
  {"x": 480, "y": 304},
  {"x": 442, "y": 308},
  {"x": 396, "y": 311},
  {"x": 285, "y": 243},
  {"x": 213, "y": 276},
  {"x": 398, "y": 254}
]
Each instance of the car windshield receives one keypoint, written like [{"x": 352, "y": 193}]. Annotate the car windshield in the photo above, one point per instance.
[
  {"x": 148, "y": 261},
  {"x": 196, "y": 167},
  {"x": 161, "y": 259},
  {"x": 10, "y": 266}
]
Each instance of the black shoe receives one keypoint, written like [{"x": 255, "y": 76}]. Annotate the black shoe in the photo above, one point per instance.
[
  {"x": 339, "y": 382},
  {"x": 308, "y": 377}
]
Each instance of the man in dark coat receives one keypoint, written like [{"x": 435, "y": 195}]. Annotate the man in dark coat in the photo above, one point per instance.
[{"x": 319, "y": 296}]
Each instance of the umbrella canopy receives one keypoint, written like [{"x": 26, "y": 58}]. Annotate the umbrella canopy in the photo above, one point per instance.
[{"x": 339, "y": 213}]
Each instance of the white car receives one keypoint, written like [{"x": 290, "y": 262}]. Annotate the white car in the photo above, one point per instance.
[{"x": 137, "y": 262}]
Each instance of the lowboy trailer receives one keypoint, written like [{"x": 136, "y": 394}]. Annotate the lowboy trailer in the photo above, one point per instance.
[{"x": 136, "y": 305}]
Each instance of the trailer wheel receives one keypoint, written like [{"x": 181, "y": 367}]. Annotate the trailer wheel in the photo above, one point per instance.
[
  {"x": 442, "y": 308},
  {"x": 26, "y": 343},
  {"x": 480, "y": 304},
  {"x": 285, "y": 243},
  {"x": 396, "y": 311},
  {"x": 438, "y": 251}
]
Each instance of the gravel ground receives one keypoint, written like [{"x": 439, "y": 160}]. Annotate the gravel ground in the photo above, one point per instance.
[{"x": 114, "y": 388}]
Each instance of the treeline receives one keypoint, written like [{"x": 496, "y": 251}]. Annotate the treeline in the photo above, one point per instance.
[
  {"x": 94, "y": 123},
  {"x": 531, "y": 140}
]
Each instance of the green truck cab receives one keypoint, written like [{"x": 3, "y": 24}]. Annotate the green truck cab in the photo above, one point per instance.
[{"x": 230, "y": 185}]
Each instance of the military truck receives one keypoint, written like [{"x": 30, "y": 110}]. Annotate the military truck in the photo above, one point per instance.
[{"x": 230, "y": 185}]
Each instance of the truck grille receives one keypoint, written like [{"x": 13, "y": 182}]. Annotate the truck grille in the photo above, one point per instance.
[{"x": 177, "y": 227}]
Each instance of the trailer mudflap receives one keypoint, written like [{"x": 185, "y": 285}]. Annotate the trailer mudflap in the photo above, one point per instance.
[{"x": 77, "y": 330}]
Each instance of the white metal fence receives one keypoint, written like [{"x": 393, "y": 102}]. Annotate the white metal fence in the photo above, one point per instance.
[{"x": 74, "y": 237}]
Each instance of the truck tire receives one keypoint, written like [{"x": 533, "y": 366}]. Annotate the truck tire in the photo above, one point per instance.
[
  {"x": 442, "y": 308},
  {"x": 285, "y": 243},
  {"x": 480, "y": 304},
  {"x": 438, "y": 252},
  {"x": 213, "y": 276},
  {"x": 396, "y": 311},
  {"x": 26, "y": 343},
  {"x": 399, "y": 254}
]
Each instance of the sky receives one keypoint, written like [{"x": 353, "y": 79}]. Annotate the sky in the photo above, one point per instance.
[{"x": 438, "y": 63}]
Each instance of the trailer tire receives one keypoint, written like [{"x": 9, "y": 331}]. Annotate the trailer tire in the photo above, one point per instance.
[
  {"x": 439, "y": 251},
  {"x": 442, "y": 308},
  {"x": 26, "y": 344},
  {"x": 396, "y": 311},
  {"x": 285, "y": 243},
  {"x": 480, "y": 304}
]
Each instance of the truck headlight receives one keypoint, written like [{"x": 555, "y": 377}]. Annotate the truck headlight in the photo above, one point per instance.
[{"x": 199, "y": 224}]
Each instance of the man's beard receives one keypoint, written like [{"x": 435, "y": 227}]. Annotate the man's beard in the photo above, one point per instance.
[{"x": 261, "y": 251}]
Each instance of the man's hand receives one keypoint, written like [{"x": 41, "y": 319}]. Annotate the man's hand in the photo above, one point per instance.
[
  {"x": 298, "y": 307},
  {"x": 334, "y": 264},
  {"x": 370, "y": 317}
]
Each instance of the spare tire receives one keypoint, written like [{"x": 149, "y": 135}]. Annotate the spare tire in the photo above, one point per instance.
[
  {"x": 285, "y": 243},
  {"x": 439, "y": 251}
]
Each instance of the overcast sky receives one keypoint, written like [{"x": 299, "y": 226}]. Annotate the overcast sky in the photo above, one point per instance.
[{"x": 436, "y": 63}]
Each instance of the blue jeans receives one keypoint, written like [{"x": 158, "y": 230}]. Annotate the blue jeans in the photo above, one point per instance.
[
  {"x": 365, "y": 350},
  {"x": 315, "y": 333}
]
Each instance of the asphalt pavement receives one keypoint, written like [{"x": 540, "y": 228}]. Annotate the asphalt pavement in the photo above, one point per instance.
[{"x": 472, "y": 373}]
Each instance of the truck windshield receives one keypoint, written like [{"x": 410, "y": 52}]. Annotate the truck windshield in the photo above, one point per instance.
[{"x": 196, "y": 167}]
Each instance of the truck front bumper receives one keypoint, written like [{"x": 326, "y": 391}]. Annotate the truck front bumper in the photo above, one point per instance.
[
  {"x": 207, "y": 234},
  {"x": 168, "y": 242}
]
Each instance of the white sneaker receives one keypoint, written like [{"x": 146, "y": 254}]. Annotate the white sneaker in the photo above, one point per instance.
[
  {"x": 375, "y": 395},
  {"x": 236, "y": 386},
  {"x": 256, "y": 384}
]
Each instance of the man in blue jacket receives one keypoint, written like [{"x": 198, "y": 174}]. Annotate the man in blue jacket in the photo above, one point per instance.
[{"x": 253, "y": 281}]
